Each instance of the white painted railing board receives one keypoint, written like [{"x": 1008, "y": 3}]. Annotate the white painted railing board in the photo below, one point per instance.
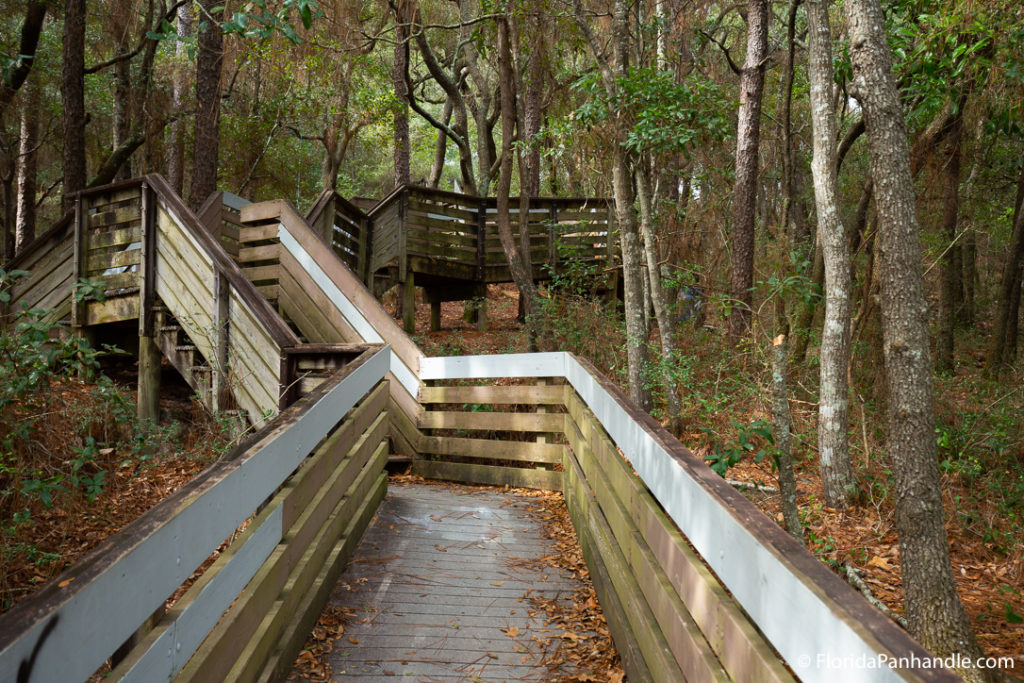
[
  {"x": 352, "y": 314},
  {"x": 499, "y": 365},
  {"x": 168, "y": 556},
  {"x": 169, "y": 653},
  {"x": 791, "y": 612}
]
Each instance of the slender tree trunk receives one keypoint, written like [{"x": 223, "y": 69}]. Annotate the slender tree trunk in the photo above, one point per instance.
[
  {"x": 781, "y": 423},
  {"x": 666, "y": 330},
  {"x": 934, "y": 612},
  {"x": 520, "y": 274},
  {"x": 837, "y": 475},
  {"x": 122, "y": 94},
  {"x": 748, "y": 133},
  {"x": 25, "y": 222},
  {"x": 207, "y": 132},
  {"x": 1009, "y": 289},
  {"x": 950, "y": 283},
  {"x": 73, "y": 97},
  {"x": 401, "y": 115},
  {"x": 31, "y": 28},
  {"x": 176, "y": 163},
  {"x": 441, "y": 146}
]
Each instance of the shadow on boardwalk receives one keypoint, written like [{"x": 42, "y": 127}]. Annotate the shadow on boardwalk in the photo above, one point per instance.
[{"x": 441, "y": 589}]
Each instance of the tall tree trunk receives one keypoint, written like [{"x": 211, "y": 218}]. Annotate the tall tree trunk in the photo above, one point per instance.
[
  {"x": 748, "y": 133},
  {"x": 401, "y": 115},
  {"x": 73, "y": 97},
  {"x": 532, "y": 114},
  {"x": 950, "y": 278},
  {"x": 441, "y": 146},
  {"x": 934, "y": 612},
  {"x": 122, "y": 93},
  {"x": 520, "y": 274},
  {"x": 1009, "y": 289},
  {"x": 207, "y": 131},
  {"x": 25, "y": 222},
  {"x": 837, "y": 475},
  {"x": 176, "y": 163},
  {"x": 31, "y": 27},
  {"x": 781, "y": 431},
  {"x": 666, "y": 330}
]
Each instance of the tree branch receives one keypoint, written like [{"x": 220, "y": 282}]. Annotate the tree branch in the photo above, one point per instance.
[
  {"x": 170, "y": 14},
  {"x": 728, "y": 57}
]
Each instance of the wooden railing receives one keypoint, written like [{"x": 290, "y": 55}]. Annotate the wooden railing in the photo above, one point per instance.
[
  {"x": 455, "y": 236},
  {"x": 344, "y": 227},
  {"x": 247, "y": 615},
  {"x": 328, "y": 302},
  {"x": 696, "y": 583}
]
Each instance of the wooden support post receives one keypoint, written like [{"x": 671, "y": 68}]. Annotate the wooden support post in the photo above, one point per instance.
[
  {"x": 149, "y": 379},
  {"x": 481, "y": 241},
  {"x": 544, "y": 437},
  {"x": 219, "y": 374},
  {"x": 435, "y": 316},
  {"x": 481, "y": 307},
  {"x": 409, "y": 302},
  {"x": 553, "y": 239},
  {"x": 327, "y": 223},
  {"x": 78, "y": 271}
]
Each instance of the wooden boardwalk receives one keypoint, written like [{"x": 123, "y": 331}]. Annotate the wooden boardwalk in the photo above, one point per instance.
[{"x": 439, "y": 586}]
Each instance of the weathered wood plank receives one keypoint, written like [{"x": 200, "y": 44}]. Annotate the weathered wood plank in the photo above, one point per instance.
[
  {"x": 492, "y": 449},
  {"x": 516, "y": 477},
  {"x": 295, "y": 279},
  {"x": 97, "y": 262},
  {"x": 579, "y": 500},
  {"x": 515, "y": 422},
  {"x": 691, "y": 651},
  {"x": 267, "y": 252},
  {"x": 115, "y": 238},
  {"x": 257, "y": 233},
  {"x": 262, "y": 273},
  {"x": 112, "y": 310},
  {"x": 290, "y": 642},
  {"x": 519, "y": 394}
]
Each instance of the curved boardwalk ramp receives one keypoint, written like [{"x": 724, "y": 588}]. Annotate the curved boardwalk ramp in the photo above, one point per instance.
[{"x": 439, "y": 588}]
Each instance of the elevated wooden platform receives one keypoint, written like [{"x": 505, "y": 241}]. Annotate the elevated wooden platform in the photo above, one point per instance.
[{"x": 447, "y": 243}]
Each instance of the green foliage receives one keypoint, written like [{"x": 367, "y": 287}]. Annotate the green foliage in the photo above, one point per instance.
[
  {"x": 754, "y": 439},
  {"x": 668, "y": 116}
]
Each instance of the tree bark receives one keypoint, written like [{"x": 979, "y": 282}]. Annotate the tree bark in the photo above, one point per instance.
[
  {"x": 838, "y": 480},
  {"x": 748, "y": 133},
  {"x": 73, "y": 97},
  {"x": 31, "y": 27},
  {"x": 784, "y": 455},
  {"x": 176, "y": 163},
  {"x": 207, "y": 128},
  {"x": 666, "y": 330},
  {"x": 1009, "y": 289},
  {"x": 521, "y": 276},
  {"x": 401, "y": 115},
  {"x": 934, "y": 612},
  {"x": 28, "y": 140},
  {"x": 950, "y": 277}
]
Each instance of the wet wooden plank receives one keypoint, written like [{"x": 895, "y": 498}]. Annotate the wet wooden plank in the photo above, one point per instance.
[{"x": 433, "y": 615}]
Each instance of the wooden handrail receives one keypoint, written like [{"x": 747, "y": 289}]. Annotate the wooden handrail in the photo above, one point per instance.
[{"x": 279, "y": 332}]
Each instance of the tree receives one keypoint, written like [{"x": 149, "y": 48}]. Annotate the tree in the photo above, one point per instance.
[
  {"x": 748, "y": 134},
  {"x": 28, "y": 143},
  {"x": 401, "y": 115},
  {"x": 73, "y": 95},
  {"x": 934, "y": 612},
  {"x": 837, "y": 475},
  {"x": 207, "y": 126},
  {"x": 612, "y": 69},
  {"x": 520, "y": 274},
  {"x": 17, "y": 71}
]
